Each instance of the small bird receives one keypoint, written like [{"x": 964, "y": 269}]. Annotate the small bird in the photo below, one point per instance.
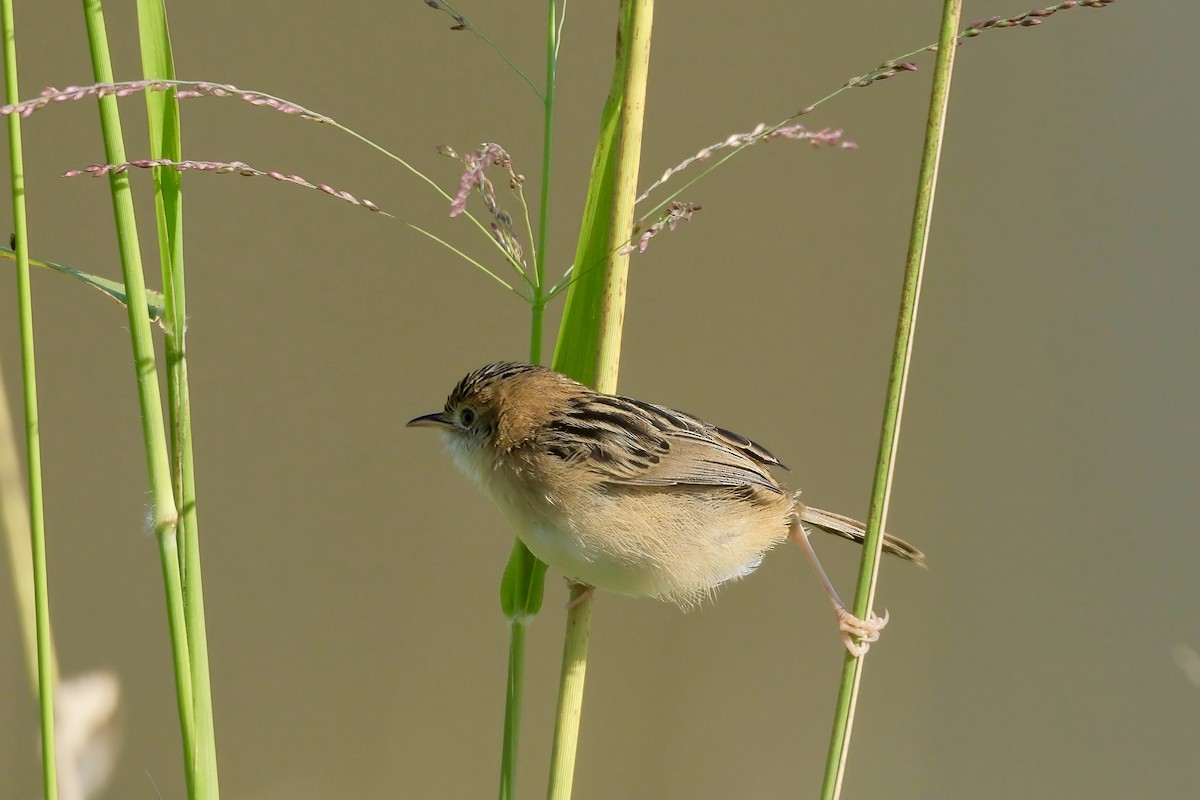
[{"x": 629, "y": 496}]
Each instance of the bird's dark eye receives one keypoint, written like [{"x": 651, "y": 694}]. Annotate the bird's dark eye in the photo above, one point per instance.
[{"x": 467, "y": 417}]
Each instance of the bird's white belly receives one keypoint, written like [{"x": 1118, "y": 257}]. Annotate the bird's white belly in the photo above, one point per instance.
[
  {"x": 679, "y": 556},
  {"x": 576, "y": 560}
]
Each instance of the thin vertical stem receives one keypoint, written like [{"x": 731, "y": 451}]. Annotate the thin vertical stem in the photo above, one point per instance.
[
  {"x": 158, "y": 464},
  {"x": 166, "y": 142},
  {"x": 33, "y": 452},
  {"x": 839, "y": 743},
  {"x": 512, "y": 708},
  {"x": 637, "y": 23},
  {"x": 522, "y": 562},
  {"x": 539, "y": 256},
  {"x": 537, "y": 312},
  {"x": 168, "y": 551},
  {"x": 570, "y": 694},
  {"x": 629, "y": 156},
  {"x": 166, "y": 514},
  {"x": 153, "y": 428}
]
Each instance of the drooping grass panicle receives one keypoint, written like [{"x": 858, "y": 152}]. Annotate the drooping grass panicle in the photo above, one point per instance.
[
  {"x": 1026, "y": 20},
  {"x": 887, "y": 69},
  {"x": 488, "y": 155},
  {"x": 762, "y": 133},
  {"x": 677, "y": 212},
  {"x": 474, "y": 180},
  {"x": 241, "y": 168},
  {"x": 789, "y": 129},
  {"x": 183, "y": 90},
  {"x": 186, "y": 89},
  {"x": 222, "y": 168},
  {"x": 461, "y": 23}
]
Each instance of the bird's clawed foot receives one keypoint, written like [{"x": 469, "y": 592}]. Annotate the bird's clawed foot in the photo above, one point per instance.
[{"x": 865, "y": 631}]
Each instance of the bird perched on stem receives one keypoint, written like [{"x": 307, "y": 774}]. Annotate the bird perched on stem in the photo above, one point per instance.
[{"x": 630, "y": 496}]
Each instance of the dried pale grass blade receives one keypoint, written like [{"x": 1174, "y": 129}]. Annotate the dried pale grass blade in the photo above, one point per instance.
[{"x": 87, "y": 733}]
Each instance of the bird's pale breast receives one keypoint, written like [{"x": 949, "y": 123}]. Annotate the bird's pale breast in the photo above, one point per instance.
[{"x": 676, "y": 543}]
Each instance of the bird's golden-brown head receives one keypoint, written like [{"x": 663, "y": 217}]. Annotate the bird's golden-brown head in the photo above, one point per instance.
[{"x": 500, "y": 405}]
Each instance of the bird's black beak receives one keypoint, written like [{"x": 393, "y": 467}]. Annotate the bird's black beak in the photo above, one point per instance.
[{"x": 430, "y": 421}]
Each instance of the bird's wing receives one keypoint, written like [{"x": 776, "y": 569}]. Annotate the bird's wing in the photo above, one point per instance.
[{"x": 635, "y": 443}]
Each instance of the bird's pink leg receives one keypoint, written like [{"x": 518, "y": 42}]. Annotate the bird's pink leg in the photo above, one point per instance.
[{"x": 865, "y": 631}]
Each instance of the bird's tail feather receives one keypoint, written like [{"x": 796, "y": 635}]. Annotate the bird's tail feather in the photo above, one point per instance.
[{"x": 855, "y": 531}]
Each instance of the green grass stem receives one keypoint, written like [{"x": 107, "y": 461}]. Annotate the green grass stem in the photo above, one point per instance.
[
  {"x": 539, "y": 256},
  {"x": 524, "y": 576},
  {"x": 33, "y": 451},
  {"x": 158, "y": 463},
  {"x": 168, "y": 552},
  {"x": 523, "y": 567},
  {"x": 625, "y": 178},
  {"x": 153, "y": 427},
  {"x": 897, "y": 379},
  {"x": 166, "y": 142},
  {"x": 570, "y": 694},
  {"x": 512, "y": 708},
  {"x": 588, "y": 350}
]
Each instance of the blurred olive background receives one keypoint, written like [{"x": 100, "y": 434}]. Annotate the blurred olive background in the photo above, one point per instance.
[{"x": 1048, "y": 464}]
